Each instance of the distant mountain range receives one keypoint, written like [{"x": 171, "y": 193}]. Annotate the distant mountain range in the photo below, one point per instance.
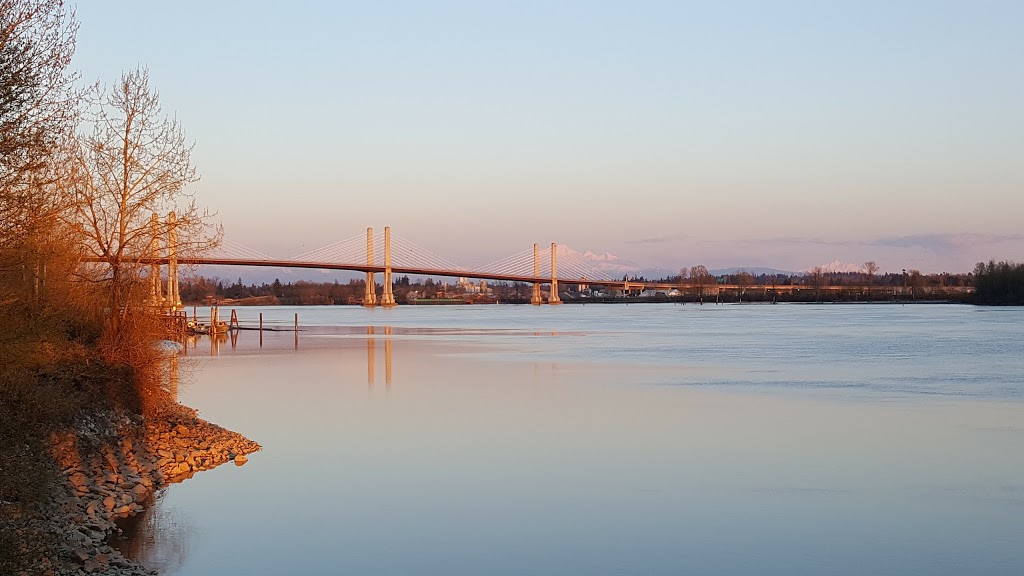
[{"x": 616, "y": 267}]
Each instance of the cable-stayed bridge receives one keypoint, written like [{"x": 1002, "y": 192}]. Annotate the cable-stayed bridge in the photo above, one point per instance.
[{"x": 391, "y": 254}]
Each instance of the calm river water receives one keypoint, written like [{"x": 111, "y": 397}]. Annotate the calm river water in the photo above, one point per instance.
[{"x": 607, "y": 439}]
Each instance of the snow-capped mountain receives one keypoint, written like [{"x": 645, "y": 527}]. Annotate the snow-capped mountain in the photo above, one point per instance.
[
  {"x": 755, "y": 270},
  {"x": 608, "y": 264},
  {"x": 837, "y": 266}
]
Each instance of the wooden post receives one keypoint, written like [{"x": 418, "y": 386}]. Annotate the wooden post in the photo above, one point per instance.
[
  {"x": 261, "y": 329},
  {"x": 234, "y": 320},
  {"x": 296, "y": 330}
]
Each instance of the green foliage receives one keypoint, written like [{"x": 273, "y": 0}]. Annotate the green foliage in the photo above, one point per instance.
[{"x": 1000, "y": 284}]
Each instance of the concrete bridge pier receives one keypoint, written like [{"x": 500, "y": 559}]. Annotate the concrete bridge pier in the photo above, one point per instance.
[
  {"x": 370, "y": 292},
  {"x": 536, "y": 299},
  {"x": 156, "y": 297},
  {"x": 553, "y": 296},
  {"x": 387, "y": 299},
  {"x": 173, "y": 296}
]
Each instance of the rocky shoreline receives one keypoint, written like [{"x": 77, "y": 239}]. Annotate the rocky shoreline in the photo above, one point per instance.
[{"x": 111, "y": 466}]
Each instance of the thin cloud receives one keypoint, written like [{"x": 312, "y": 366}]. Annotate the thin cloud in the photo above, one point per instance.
[
  {"x": 658, "y": 239},
  {"x": 945, "y": 242},
  {"x": 935, "y": 242},
  {"x": 800, "y": 241}
]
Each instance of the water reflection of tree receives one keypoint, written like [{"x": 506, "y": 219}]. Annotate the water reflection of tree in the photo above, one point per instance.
[{"x": 159, "y": 538}]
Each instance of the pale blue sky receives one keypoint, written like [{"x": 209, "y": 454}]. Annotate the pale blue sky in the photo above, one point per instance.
[{"x": 785, "y": 134}]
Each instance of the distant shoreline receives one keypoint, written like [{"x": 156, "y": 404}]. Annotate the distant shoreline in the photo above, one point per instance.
[{"x": 583, "y": 302}]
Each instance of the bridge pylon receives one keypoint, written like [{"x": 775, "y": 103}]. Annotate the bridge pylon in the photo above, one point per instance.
[
  {"x": 370, "y": 292},
  {"x": 173, "y": 296},
  {"x": 156, "y": 297},
  {"x": 553, "y": 296},
  {"x": 387, "y": 299},
  {"x": 536, "y": 299}
]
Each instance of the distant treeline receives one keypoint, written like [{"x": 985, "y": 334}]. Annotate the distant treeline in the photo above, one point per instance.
[
  {"x": 204, "y": 290},
  {"x": 914, "y": 278},
  {"x": 693, "y": 287},
  {"x": 301, "y": 293},
  {"x": 999, "y": 284}
]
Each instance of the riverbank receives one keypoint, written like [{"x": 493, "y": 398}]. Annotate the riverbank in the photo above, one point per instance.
[{"x": 109, "y": 466}]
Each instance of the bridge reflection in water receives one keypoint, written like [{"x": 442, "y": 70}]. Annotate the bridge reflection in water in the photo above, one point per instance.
[
  {"x": 217, "y": 341},
  {"x": 371, "y": 346},
  {"x": 163, "y": 537},
  {"x": 323, "y": 337},
  {"x": 254, "y": 341}
]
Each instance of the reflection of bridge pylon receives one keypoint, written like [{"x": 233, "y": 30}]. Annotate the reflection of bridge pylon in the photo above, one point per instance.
[
  {"x": 371, "y": 346},
  {"x": 172, "y": 377},
  {"x": 387, "y": 359}
]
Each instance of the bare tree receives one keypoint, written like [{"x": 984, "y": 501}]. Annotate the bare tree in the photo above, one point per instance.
[
  {"x": 916, "y": 283},
  {"x": 701, "y": 278},
  {"x": 135, "y": 163},
  {"x": 816, "y": 276},
  {"x": 743, "y": 279},
  {"x": 37, "y": 115},
  {"x": 870, "y": 269},
  {"x": 37, "y": 107}
]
